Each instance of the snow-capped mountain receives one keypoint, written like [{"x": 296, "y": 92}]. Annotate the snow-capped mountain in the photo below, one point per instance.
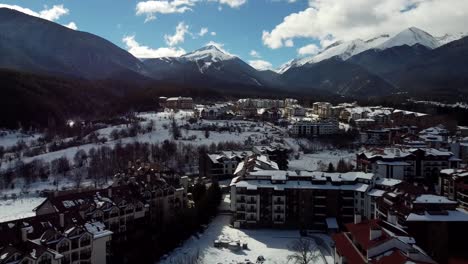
[
  {"x": 447, "y": 38},
  {"x": 209, "y": 53},
  {"x": 341, "y": 49},
  {"x": 208, "y": 64},
  {"x": 346, "y": 49},
  {"x": 410, "y": 37}
]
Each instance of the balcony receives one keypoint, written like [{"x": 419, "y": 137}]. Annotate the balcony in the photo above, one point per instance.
[
  {"x": 240, "y": 200},
  {"x": 252, "y": 210},
  {"x": 252, "y": 201}
]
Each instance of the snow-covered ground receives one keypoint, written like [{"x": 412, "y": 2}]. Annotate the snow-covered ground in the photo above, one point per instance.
[
  {"x": 10, "y": 138},
  {"x": 12, "y": 209},
  {"x": 272, "y": 244},
  {"x": 312, "y": 162},
  {"x": 161, "y": 120}
]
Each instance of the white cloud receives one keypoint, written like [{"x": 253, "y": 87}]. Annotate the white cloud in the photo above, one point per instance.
[
  {"x": 71, "y": 25},
  {"x": 261, "y": 65},
  {"x": 255, "y": 54},
  {"x": 140, "y": 51},
  {"x": 230, "y": 3},
  {"x": 329, "y": 20},
  {"x": 54, "y": 13},
  {"x": 233, "y": 3},
  {"x": 310, "y": 49},
  {"x": 51, "y": 14},
  {"x": 179, "y": 35},
  {"x": 213, "y": 33},
  {"x": 289, "y": 43},
  {"x": 203, "y": 31},
  {"x": 151, "y": 8}
]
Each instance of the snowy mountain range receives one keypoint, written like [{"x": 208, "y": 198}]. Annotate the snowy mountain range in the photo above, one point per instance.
[
  {"x": 373, "y": 67},
  {"x": 346, "y": 49}
]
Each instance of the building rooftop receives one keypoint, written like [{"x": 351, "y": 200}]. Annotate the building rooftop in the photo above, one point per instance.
[{"x": 433, "y": 199}]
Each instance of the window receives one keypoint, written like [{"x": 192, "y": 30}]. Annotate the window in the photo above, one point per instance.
[{"x": 45, "y": 259}]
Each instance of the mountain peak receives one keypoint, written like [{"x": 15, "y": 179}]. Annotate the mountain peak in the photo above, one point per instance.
[
  {"x": 209, "y": 53},
  {"x": 411, "y": 36}
]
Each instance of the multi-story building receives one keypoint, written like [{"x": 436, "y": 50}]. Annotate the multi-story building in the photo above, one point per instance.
[
  {"x": 421, "y": 164},
  {"x": 453, "y": 183},
  {"x": 295, "y": 110},
  {"x": 213, "y": 112},
  {"x": 138, "y": 196},
  {"x": 54, "y": 238},
  {"x": 269, "y": 114},
  {"x": 322, "y": 109},
  {"x": 435, "y": 221},
  {"x": 179, "y": 103},
  {"x": 402, "y": 117},
  {"x": 113, "y": 206},
  {"x": 376, "y": 137},
  {"x": 275, "y": 152},
  {"x": 297, "y": 198},
  {"x": 221, "y": 165},
  {"x": 315, "y": 128},
  {"x": 377, "y": 241}
]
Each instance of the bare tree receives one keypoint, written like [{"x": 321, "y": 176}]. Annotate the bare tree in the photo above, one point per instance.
[{"x": 305, "y": 251}]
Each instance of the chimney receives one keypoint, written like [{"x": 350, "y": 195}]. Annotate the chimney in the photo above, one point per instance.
[
  {"x": 375, "y": 232},
  {"x": 109, "y": 192},
  {"x": 62, "y": 220},
  {"x": 357, "y": 218}
]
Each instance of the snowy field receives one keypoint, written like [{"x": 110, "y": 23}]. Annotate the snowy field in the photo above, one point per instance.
[
  {"x": 312, "y": 162},
  {"x": 13, "y": 209},
  {"x": 161, "y": 120},
  {"x": 271, "y": 244},
  {"x": 11, "y": 138}
]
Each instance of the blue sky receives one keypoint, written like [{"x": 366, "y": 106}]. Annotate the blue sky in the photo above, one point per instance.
[{"x": 277, "y": 30}]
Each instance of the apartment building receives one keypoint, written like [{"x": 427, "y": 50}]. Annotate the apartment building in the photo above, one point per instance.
[
  {"x": 322, "y": 109},
  {"x": 221, "y": 165},
  {"x": 436, "y": 222},
  {"x": 412, "y": 164},
  {"x": 54, "y": 238},
  {"x": 453, "y": 184},
  {"x": 276, "y": 152},
  {"x": 377, "y": 241},
  {"x": 315, "y": 128},
  {"x": 297, "y": 199},
  {"x": 179, "y": 103}
]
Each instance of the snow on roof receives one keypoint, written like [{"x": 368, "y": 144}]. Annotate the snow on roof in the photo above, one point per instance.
[
  {"x": 392, "y": 163},
  {"x": 433, "y": 199},
  {"x": 458, "y": 215},
  {"x": 455, "y": 172},
  {"x": 390, "y": 153},
  {"x": 387, "y": 182},
  {"x": 298, "y": 184},
  {"x": 98, "y": 230},
  {"x": 317, "y": 175},
  {"x": 376, "y": 192}
]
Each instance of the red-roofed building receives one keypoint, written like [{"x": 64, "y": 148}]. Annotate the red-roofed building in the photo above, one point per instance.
[{"x": 377, "y": 241}]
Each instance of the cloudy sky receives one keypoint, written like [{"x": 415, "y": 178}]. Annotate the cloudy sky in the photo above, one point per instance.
[{"x": 265, "y": 33}]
